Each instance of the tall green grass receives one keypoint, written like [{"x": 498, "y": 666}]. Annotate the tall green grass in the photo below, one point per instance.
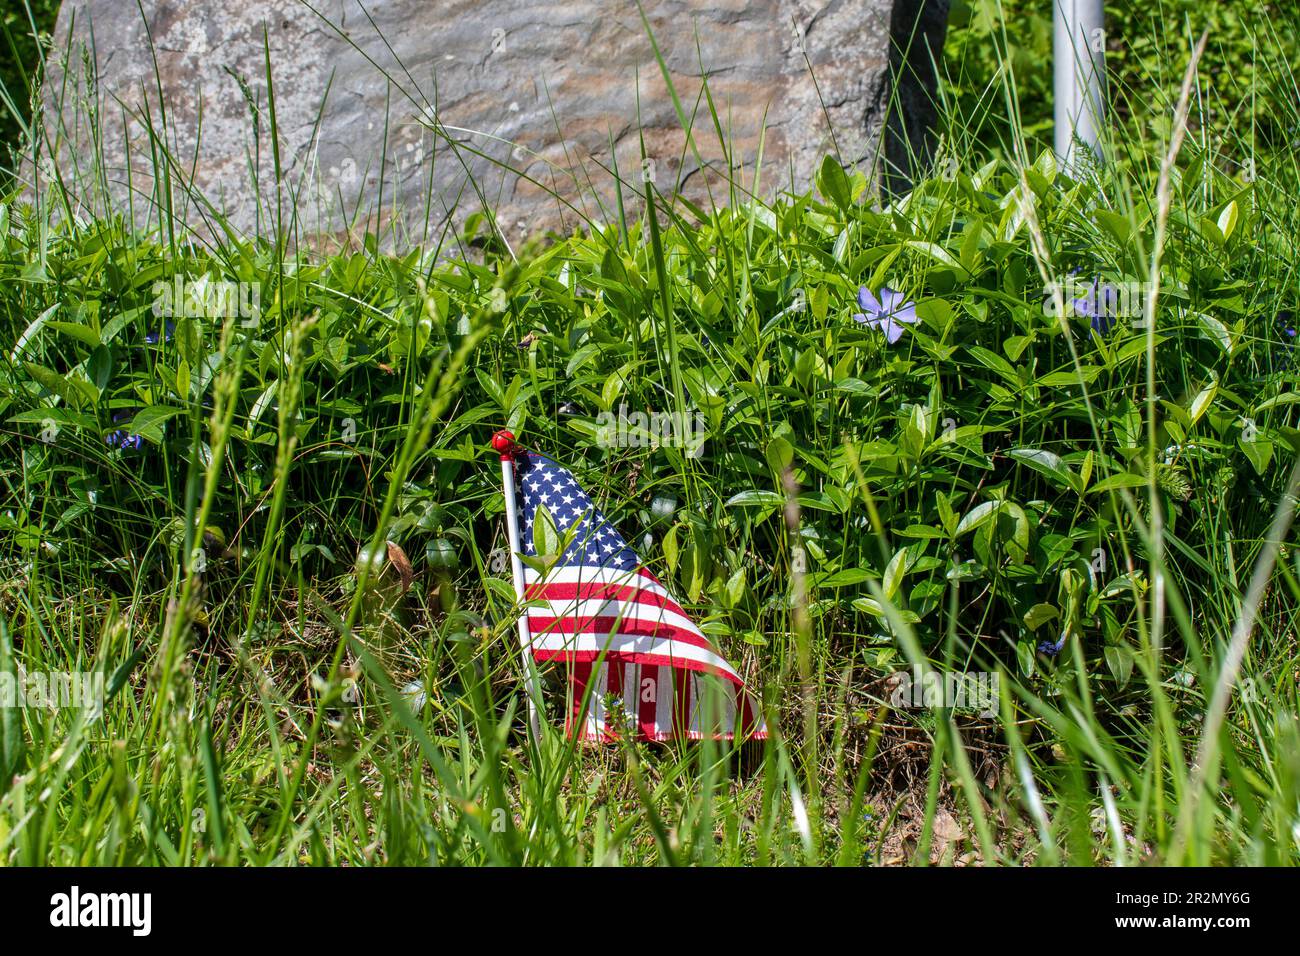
[{"x": 278, "y": 692}]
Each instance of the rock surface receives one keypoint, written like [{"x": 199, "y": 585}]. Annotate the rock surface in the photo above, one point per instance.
[{"x": 406, "y": 116}]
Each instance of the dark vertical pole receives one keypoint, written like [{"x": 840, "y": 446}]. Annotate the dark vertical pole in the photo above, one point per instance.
[{"x": 917, "y": 29}]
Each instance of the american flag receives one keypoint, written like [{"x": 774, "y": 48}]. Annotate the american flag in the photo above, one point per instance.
[{"x": 660, "y": 678}]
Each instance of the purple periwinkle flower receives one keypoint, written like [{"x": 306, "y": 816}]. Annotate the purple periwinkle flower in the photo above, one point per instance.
[
  {"x": 1288, "y": 355},
  {"x": 887, "y": 314},
  {"x": 121, "y": 438},
  {"x": 1052, "y": 648},
  {"x": 168, "y": 329},
  {"x": 1098, "y": 306}
]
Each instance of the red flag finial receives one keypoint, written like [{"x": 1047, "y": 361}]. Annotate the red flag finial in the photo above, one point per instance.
[{"x": 504, "y": 442}]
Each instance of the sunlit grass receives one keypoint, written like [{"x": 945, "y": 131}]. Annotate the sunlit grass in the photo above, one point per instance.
[{"x": 999, "y": 480}]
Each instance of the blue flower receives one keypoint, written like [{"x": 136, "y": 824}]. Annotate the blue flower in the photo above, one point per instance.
[
  {"x": 169, "y": 328},
  {"x": 1052, "y": 649},
  {"x": 887, "y": 314},
  {"x": 1096, "y": 306},
  {"x": 121, "y": 438},
  {"x": 1288, "y": 356}
]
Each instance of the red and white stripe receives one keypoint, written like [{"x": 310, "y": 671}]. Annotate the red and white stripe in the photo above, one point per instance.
[
  {"x": 657, "y": 702},
  {"x": 664, "y": 673}
]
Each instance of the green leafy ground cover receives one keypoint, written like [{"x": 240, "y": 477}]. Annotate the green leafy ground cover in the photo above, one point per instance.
[{"x": 276, "y": 529}]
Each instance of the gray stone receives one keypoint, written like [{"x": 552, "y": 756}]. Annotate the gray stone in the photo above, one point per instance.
[{"x": 406, "y": 116}]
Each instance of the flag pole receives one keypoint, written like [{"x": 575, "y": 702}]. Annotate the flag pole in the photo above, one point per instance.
[{"x": 504, "y": 443}]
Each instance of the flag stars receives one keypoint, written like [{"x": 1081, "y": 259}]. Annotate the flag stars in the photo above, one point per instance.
[{"x": 594, "y": 540}]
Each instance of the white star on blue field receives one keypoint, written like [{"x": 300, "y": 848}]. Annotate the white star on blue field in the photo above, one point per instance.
[{"x": 595, "y": 544}]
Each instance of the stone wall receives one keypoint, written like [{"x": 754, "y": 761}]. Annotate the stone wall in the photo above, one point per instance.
[{"x": 403, "y": 115}]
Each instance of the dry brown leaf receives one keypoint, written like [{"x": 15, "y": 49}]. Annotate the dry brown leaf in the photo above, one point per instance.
[{"x": 402, "y": 563}]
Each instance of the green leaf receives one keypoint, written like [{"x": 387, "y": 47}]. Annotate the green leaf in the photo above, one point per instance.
[
  {"x": 1119, "y": 659},
  {"x": 845, "y": 578},
  {"x": 1045, "y": 165},
  {"x": 928, "y": 532},
  {"x": 876, "y": 609},
  {"x": 1040, "y": 614},
  {"x": 1259, "y": 452},
  {"x": 1049, "y": 464},
  {"x": 82, "y": 333},
  {"x": 977, "y": 517},
  {"x": 671, "y": 549},
  {"x": 60, "y": 416},
  {"x": 490, "y": 385},
  {"x": 894, "y": 571},
  {"x": 939, "y": 254},
  {"x": 1085, "y": 373},
  {"x": 833, "y": 183},
  {"x": 819, "y": 301},
  {"x": 735, "y": 587},
  {"x": 1203, "y": 400},
  {"x": 1216, "y": 332},
  {"x": 149, "y": 422},
  {"x": 546, "y": 537},
  {"x": 1113, "y": 223},
  {"x": 614, "y": 386},
  {"x": 936, "y": 313},
  {"x": 263, "y": 402},
  {"x": 33, "y": 330},
  {"x": 1228, "y": 221},
  {"x": 541, "y": 565},
  {"x": 13, "y": 747},
  {"x": 75, "y": 392},
  {"x": 946, "y": 514},
  {"x": 995, "y": 362},
  {"x": 780, "y": 454},
  {"x": 1123, "y": 480},
  {"x": 966, "y": 571},
  {"x": 1015, "y": 345},
  {"x": 100, "y": 367},
  {"x": 1025, "y": 657},
  {"x": 755, "y": 497},
  {"x": 916, "y": 431}
]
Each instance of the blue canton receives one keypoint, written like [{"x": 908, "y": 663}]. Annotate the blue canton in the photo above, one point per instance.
[{"x": 541, "y": 482}]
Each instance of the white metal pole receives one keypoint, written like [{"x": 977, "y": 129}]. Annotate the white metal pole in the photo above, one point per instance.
[
  {"x": 504, "y": 443},
  {"x": 1078, "y": 75}
]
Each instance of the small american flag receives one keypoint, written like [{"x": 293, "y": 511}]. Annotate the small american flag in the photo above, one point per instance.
[{"x": 658, "y": 669}]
